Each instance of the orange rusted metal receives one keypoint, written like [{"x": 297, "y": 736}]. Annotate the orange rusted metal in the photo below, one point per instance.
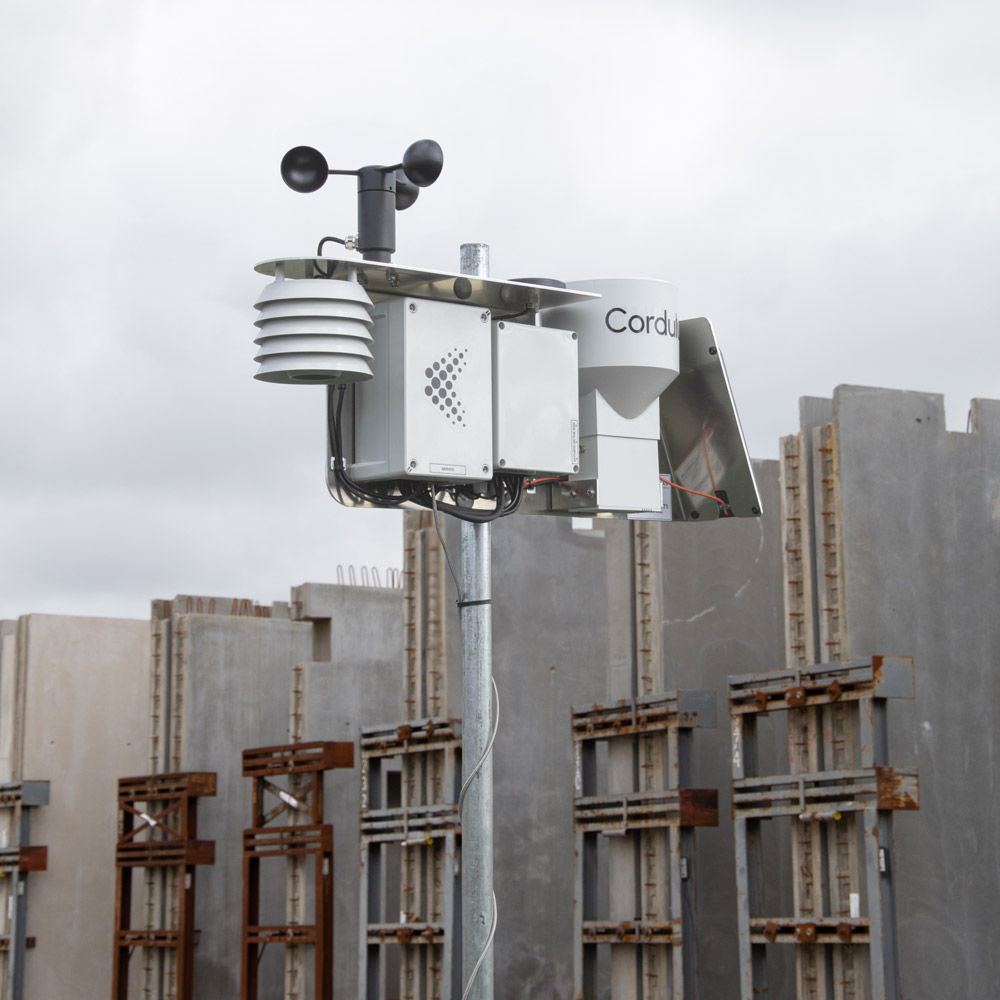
[
  {"x": 158, "y": 828},
  {"x": 311, "y": 839}
]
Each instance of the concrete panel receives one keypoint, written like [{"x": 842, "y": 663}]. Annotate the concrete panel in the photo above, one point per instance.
[
  {"x": 921, "y": 547},
  {"x": 563, "y": 637},
  {"x": 85, "y": 704},
  {"x": 722, "y": 615},
  {"x": 235, "y": 677},
  {"x": 359, "y": 684},
  {"x": 550, "y": 653},
  {"x": 9, "y": 708},
  {"x": 550, "y": 630}
]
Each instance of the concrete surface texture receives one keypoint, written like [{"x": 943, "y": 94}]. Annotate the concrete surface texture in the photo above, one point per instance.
[
  {"x": 235, "y": 675},
  {"x": 75, "y": 702},
  {"x": 722, "y": 615},
  {"x": 921, "y": 555},
  {"x": 549, "y": 653},
  {"x": 355, "y": 682}
]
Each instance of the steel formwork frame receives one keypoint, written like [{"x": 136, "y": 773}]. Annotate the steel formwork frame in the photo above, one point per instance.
[
  {"x": 425, "y": 828},
  {"x": 870, "y": 790},
  {"x": 303, "y": 766},
  {"x": 672, "y": 812},
  {"x": 17, "y": 859},
  {"x": 165, "y": 837}
]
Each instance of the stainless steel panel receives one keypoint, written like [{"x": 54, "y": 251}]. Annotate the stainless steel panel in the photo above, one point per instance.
[{"x": 701, "y": 441}]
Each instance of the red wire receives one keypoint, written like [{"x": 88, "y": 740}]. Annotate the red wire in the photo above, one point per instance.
[{"x": 677, "y": 486}]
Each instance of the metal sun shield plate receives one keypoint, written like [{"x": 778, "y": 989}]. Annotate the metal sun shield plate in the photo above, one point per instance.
[
  {"x": 382, "y": 281},
  {"x": 701, "y": 441}
]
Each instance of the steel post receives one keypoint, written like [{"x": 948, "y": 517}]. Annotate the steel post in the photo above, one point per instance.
[{"x": 476, "y": 618}]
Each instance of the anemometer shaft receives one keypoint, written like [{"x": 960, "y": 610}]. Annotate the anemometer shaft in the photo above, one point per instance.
[{"x": 377, "y": 213}]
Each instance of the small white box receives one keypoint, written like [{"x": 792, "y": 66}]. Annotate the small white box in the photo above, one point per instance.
[
  {"x": 427, "y": 412},
  {"x": 536, "y": 422}
]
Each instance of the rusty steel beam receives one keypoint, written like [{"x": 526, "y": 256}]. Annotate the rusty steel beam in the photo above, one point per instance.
[
  {"x": 18, "y": 799},
  {"x": 158, "y": 828},
  {"x": 418, "y": 832},
  {"x": 835, "y": 935},
  {"x": 819, "y": 931},
  {"x": 611, "y": 814},
  {"x": 298, "y": 758},
  {"x": 663, "y": 920},
  {"x": 631, "y": 932},
  {"x": 303, "y": 838}
]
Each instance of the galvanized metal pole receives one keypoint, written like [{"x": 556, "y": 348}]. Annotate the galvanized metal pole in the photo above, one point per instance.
[{"x": 476, "y": 616}]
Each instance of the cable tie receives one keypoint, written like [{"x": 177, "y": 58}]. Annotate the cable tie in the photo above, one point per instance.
[{"x": 472, "y": 604}]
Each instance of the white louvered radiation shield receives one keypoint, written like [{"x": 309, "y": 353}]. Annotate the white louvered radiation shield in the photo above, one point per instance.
[{"x": 313, "y": 331}]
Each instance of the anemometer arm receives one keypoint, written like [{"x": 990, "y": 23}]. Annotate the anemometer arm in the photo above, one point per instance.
[{"x": 381, "y": 190}]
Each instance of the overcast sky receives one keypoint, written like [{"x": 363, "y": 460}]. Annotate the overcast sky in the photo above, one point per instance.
[{"x": 821, "y": 179}]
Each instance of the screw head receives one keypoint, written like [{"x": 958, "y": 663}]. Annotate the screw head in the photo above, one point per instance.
[
  {"x": 486, "y": 469},
  {"x": 412, "y": 465},
  {"x": 485, "y": 316},
  {"x": 413, "y": 307}
]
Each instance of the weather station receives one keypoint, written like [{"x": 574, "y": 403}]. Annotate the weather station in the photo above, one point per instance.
[{"x": 479, "y": 398}]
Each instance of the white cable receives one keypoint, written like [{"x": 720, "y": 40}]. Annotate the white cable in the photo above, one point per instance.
[
  {"x": 486, "y": 752},
  {"x": 444, "y": 548},
  {"x": 483, "y": 953},
  {"x": 461, "y": 801}
]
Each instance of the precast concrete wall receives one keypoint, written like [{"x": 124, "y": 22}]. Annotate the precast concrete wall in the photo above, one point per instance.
[
  {"x": 549, "y": 654},
  {"x": 356, "y": 681},
  {"x": 73, "y": 712},
  {"x": 562, "y": 623},
  {"x": 722, "y": 615},
  {"x": 233, "y": 672},
  {"x": 920, "y": 544}
]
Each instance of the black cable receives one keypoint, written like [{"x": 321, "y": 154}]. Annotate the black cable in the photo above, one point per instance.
[
  {"x": 507, "y": 489},
  {"x": 326, "y": 272},
  {"x": 329, "y": 239},
  {"x": 359, "y": 493}
]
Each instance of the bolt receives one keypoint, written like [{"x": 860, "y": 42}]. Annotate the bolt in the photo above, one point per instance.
[
  {"x": 413, "y": 307},
  {"x": 755, "y": 510},
  {"x": 485, "y": 316},
  {"x": 486, "y": 468},
  {"x": 713, "y": 350},
  {"x": 412, "y": 465}
]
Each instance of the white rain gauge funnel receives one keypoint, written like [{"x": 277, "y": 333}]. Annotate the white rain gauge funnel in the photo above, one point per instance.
[
  {"x": 313, "y": 331},
  {"x": 628, "y": 339}
]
